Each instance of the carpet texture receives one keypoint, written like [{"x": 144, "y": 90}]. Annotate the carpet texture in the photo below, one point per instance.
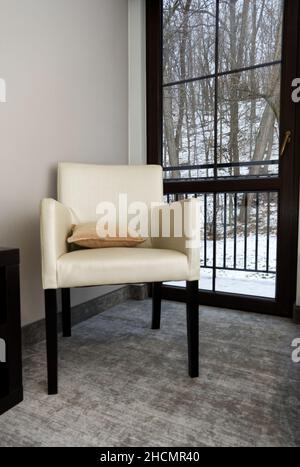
[{"x": 122, "y": 384}]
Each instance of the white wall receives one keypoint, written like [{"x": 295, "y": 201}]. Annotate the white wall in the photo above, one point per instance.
[
  {"x": 65, "y": 63},
  {"x": 137, "y": 81}
]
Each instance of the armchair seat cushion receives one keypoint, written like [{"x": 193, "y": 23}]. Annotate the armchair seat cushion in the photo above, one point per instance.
[{"x": 120, "y": 266}]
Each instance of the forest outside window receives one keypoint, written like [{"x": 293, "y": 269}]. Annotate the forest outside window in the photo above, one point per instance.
[{"x": 221, "y": 88}]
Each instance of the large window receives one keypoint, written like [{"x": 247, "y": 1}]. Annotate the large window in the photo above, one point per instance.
[{"x": 221, "y": 122}]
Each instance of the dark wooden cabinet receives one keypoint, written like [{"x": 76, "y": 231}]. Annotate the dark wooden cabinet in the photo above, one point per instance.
[{"x": 11, "y": 390}]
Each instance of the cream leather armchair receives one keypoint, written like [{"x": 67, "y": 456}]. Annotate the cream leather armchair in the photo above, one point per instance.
[{"x": 80, "y": 189}]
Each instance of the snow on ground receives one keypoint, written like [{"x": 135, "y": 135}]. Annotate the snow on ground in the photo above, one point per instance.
[{"x": 248, "y": 283}]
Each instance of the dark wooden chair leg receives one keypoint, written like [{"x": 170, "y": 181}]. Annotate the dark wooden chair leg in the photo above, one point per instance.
[
  {"x": 156, "y": 305},
  {"x": 66, "y": 312},
  {"x": 51, "y": 339},
  {"x": 192, "y": 309}
]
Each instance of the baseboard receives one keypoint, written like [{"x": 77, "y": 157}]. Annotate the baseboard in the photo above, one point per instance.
[
  {"x": 138, "y": 291},
  {"x": 296, "y": 314},
  {"x": 35, "y": 332}
]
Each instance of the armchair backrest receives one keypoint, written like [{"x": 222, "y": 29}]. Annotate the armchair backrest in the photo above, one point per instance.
[{"x": 82, "y": 187}]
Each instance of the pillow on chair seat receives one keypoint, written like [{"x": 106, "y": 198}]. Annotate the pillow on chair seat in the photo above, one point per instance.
[{"x": 86, "y": 236}]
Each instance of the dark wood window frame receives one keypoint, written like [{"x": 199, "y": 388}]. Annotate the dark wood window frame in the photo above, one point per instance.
[{"x": 286, "y": 186}]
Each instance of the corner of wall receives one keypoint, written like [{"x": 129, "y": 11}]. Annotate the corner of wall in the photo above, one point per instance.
[{"x": 137, "y": 82}]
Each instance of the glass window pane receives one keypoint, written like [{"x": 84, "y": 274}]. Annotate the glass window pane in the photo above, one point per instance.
[
  {"x": 206, "y": 235},
  {"x": 246, "y": 246},
  {"x": 207, "y": 240},
  {"x": 189, "y": 130},
  {"x": 189, "y": 28},
  {"x": 250, "y": 33},
  {"x": 232, "y": 134},
  {"x": 248, "y": 122},
  {"x": 246, "y": 242}
]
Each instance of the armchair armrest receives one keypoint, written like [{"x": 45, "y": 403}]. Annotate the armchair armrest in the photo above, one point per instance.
[
  {"x": 55, "y": 225},
  {"x": 176, "y": 226}
]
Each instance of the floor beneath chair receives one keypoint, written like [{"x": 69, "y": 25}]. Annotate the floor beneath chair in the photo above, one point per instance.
[{"x": 122, "y": 384}]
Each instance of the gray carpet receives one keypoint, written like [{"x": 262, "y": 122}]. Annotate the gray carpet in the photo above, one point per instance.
[{"x": 122, "y": 384}]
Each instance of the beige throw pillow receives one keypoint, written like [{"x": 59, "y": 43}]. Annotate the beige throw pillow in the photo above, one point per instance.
[{"x": 85, "y": 235}]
